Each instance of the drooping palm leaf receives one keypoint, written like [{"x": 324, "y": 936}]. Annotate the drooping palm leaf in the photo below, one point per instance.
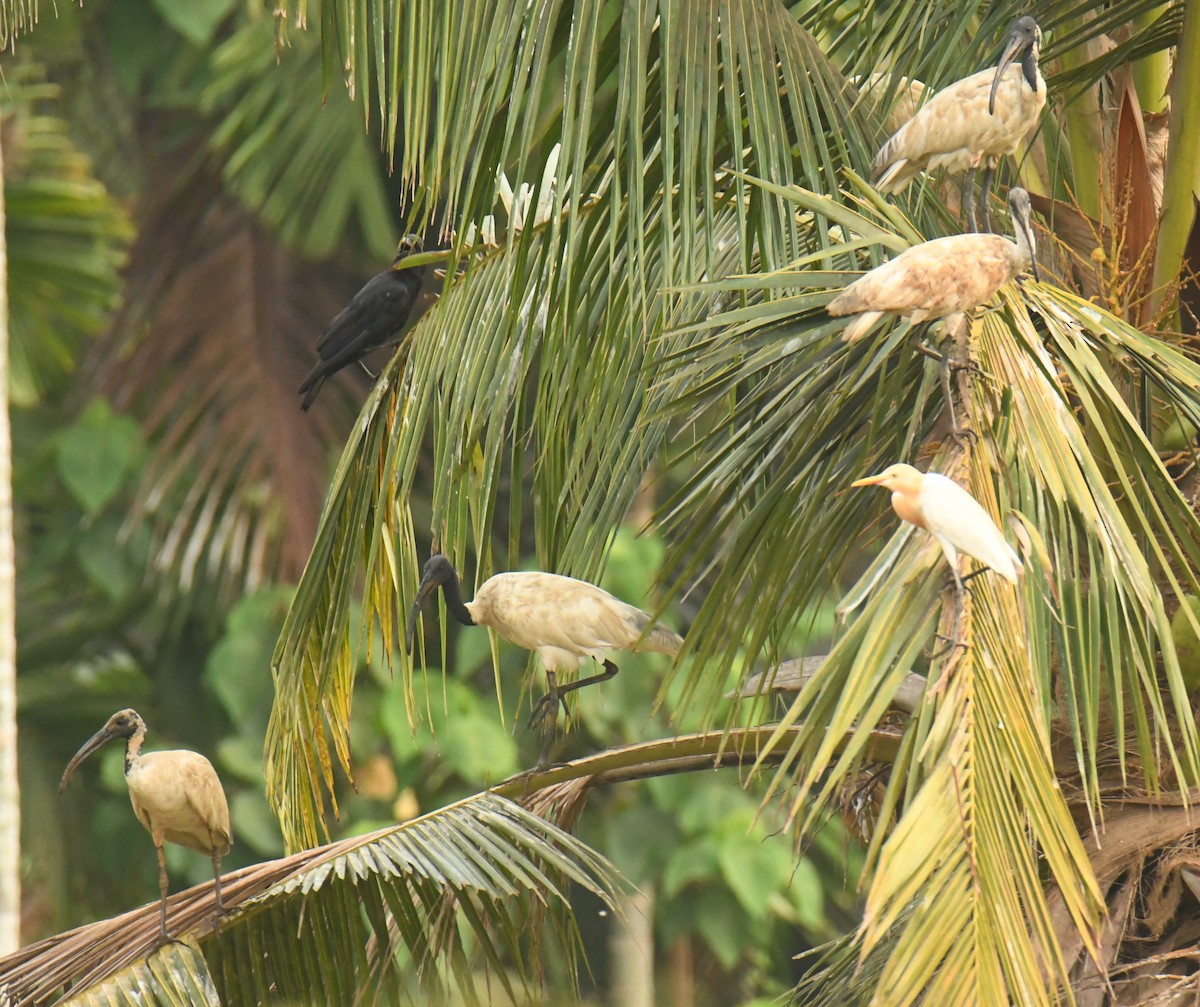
[
  {"x": 67, "y": 237},
  {"x": 778, "y": 416},
  {"x": 415, "y": 906},
  {"x": 538, "y": 361},
  {"x": 207, "y": 353},
  {"x": 1112, "y": 530}
]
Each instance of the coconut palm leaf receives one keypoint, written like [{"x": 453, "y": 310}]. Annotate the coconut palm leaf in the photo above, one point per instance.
[
  {"x": 619, "y": 330},
  {"x": 412, "y": 907},
  {"x": 1113, "y": 533},
  {"x": 67, "y": 237},
  {"x": 16, "y": 17},
  {"x": 305, "y": 166},
  {"x": 533, "y": 365}
]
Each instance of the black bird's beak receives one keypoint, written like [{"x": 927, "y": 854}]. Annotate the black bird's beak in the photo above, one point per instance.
[
  {"x": 1015, "y": 43},
  {"x": 429, "y": 584},
  {"x": 98, "y": 740}
]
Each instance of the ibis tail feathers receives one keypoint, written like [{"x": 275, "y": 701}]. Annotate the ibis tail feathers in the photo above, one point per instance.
[
  {"x": 892, "y": 178},
  {"x": 861, "y": 326},
  {"x": 659, "y": 640}
]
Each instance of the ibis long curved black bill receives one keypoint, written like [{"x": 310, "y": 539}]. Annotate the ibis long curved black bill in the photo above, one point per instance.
[
  {"x": 431, "y": 580},
  {"x": 97, "y": 741}
]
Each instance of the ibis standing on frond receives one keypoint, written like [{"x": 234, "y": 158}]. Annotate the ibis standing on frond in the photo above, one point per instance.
[
  {"x": 951, "y": 515},
  {"x": 176, "y": 795},
  {"x": 977, "y": 120},
  {"x": 370, "y": 321},
  {"x": 564, "y": 620},
  {"x": 943, "y": 278}
]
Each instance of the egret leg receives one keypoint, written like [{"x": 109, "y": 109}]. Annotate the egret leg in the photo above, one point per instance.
[
  {"x": 968, "y": 200},
  {"x": 989, "y": 175},
  {"x": 163, "y": 885}
]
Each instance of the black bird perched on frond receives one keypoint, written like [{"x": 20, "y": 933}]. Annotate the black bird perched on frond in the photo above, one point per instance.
[{"x": 371, "y": 320}]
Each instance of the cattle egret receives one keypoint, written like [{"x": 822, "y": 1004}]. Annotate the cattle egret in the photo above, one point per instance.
[
  {"x": 176, "y": 795},
  {"x": 942, "y": 278},
  {"x": 977, "y": 120},
  {"x": 564, "y": 620},
  {"x": 951, "y": 515},
  {"x": 370, "y": 321}
]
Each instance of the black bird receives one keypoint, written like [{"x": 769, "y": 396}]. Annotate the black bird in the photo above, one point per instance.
[{"x": 372, "y": 318}]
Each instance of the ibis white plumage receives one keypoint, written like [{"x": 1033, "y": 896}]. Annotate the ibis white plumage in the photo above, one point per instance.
[
  {"x": 974, "y": 121},
  {"x": 943, "y": 278},
  {"x": 563, "y": 619},
  {"x": 951, "y": 515},
  {"x": 176, "y": 795}
]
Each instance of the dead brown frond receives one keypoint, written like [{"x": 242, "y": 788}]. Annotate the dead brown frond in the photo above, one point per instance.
[{"x": 217, "y": 332}]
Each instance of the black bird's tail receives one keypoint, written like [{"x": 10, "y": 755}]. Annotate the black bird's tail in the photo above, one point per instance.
[{"x": 311, "y": 386}]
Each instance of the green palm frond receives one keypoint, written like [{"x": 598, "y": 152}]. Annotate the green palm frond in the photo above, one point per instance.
[
  {"x": 1086, "y": 642},
  {"x": 305, "y": 166},
  {"x": 417, "y": 906},
  {"x": 67, "y": 237},
  {"x": 538, "y": 363},
  {"x": 670, "y": 307}
]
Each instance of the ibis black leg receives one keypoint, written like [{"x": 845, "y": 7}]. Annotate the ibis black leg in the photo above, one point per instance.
[
  {"x": 163, "y": 885},
  {"x": 985, "y": 192},
  {"x": 554, "y": 697},
  {"x": 545, "y": 710},
  {"x": 968, "y": 200},
  {"x": 219, "y": 908}
]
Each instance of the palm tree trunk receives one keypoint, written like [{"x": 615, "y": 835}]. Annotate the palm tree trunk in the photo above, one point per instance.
[
  {"x": 10, "y": 811},
  {"x": 631, "y": 949}
]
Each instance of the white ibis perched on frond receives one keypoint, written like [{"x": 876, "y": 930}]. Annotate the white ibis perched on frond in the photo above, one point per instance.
[
  {"x": 176, "y": 795},
  {"x": 943, "y": 278},
  {"x": 372, "y": 319},
  {"x": 977, "y": 120},
  {"x": 563, "y": 619},
  {"x": 951, "y": 515}
]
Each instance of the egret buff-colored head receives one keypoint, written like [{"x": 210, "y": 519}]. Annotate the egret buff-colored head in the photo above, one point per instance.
[
  {"x": 905, "y": 483},
  {"x": 899, "y": 478}
]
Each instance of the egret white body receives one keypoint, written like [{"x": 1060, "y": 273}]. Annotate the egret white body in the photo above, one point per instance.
[
  {"x": 974, "y": 121},
  {"x": 563, "y": 619},
  {"x": 943, "y": 278},
  {"x": 951, "y": 515},
  {"x": 176, "y": 795}
]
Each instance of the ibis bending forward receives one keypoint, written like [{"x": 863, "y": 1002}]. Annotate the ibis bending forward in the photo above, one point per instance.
[
  {"x": 176, "y": 795},
  {"x": 942, "y": 278},
  {"x": 370, "y": 321},
  {"x": 951, "y": 515},
  {"x": 976, "y": 120},
  {"x": 563, "y": 619}
]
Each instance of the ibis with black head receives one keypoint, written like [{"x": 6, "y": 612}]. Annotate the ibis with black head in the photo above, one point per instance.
[
  {"x": 562, "y": 619},
  {"x": 176, "y": 795},
  {"x": 944, "y": 278},
  {"x": 975, "y": 121}
]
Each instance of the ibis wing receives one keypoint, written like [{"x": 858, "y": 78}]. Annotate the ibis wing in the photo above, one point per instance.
[
  {"x": 944, "y": 126},
  {"x": 536, "y": 610},
  {"x": 206, "y": 797},
  {"x": 936, "y": 277}
]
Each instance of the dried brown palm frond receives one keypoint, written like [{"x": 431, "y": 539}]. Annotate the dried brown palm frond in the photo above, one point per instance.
[
  {"x": 421, "y": 893},
  {"x": 216, "y": 335}
]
